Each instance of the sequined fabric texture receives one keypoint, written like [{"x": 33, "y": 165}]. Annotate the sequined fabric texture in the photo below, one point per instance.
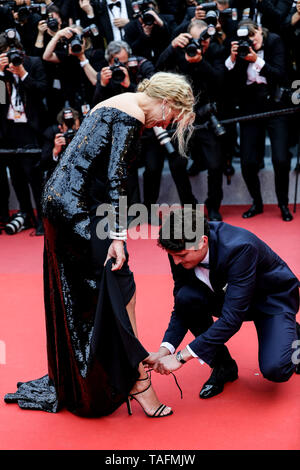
[{"x": 92, "y": 170}]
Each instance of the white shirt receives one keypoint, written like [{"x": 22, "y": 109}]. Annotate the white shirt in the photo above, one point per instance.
[
  {"x": 16, "y": 111},
  {"x": 254, "y": 68},
  {"x": 117, "y": 12},
  {"x": 203, "y": 275}
]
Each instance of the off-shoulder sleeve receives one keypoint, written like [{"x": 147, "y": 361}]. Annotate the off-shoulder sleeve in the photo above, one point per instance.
[{"x": 125, "y": 133}]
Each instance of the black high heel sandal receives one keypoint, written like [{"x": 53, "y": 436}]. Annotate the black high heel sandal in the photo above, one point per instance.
[{"x": 160, "y": 409}]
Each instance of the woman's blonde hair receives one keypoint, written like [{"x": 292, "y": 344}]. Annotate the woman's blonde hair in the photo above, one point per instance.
[{"x": 178, "y": 92}]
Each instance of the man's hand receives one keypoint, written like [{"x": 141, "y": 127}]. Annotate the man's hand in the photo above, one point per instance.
[
  {"x": 167, "y": 364},
  {"x": 196, "y": 58},
  {"x": 3, "y": 61},
  {"x": 252, "y": 56},
  {"x": 126, "y": 81},
  {"x": 59, "y": 143},
  {"x": 116, "y": 250},
  {"x": 105, "y": 76},
  {"x": 181, "y": 40},
  {"x": 17, "y": 70},
  {"x": 234, "y": 51},
  {"x": 121, "y": 22},
  {"x": 200, "y": 14},
  {"x": 154, "y": 357},
  {"x": 86, "y": 7},
  {"x": 298, "y": 7},
  {"x": 67, "y": 33}
]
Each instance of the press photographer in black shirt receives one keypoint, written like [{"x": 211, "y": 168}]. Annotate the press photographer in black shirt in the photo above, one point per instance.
[
  {"x": 206, "y": 71},
  {"x": 257, "y": 71}
]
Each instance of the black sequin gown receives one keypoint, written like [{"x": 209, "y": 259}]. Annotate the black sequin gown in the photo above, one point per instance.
[{"x": 93, "y": 355}]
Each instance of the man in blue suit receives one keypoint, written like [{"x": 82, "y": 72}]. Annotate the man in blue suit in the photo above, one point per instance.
[{"x": 231, "y": 274}]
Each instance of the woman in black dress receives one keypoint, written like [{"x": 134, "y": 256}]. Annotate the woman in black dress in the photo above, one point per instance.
[{"x": 94, "y": 356}]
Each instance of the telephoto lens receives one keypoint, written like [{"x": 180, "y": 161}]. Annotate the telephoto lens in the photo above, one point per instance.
[
  {"x": 164, "y": 139},
  {"x": 16, "y": 224}
]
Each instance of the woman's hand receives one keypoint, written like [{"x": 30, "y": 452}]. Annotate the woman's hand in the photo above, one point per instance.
[{"x": 116, "y": 250}]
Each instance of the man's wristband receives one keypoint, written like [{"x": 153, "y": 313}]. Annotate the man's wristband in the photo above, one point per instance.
[{"x": 179, "y": 357}]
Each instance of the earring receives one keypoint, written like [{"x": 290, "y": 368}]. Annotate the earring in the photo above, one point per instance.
[{"x": 163, "y": 111}]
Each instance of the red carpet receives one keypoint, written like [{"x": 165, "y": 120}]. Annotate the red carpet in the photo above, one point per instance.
[{"x": 251, "y": 413}]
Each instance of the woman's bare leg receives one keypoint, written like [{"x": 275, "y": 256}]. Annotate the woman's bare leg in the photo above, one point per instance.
[{"x": 148, "y": 400}]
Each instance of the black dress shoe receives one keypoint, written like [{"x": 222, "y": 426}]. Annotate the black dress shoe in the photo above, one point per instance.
[
  {"x": 226, "y": 372},
  {"x": 254, "y": 210},
  {"x": 214, "y": 215},
  {"x": 285, "y": 213}
]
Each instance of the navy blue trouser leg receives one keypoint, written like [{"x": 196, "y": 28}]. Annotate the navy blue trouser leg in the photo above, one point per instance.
[
  {"x": 276, "y": 334},
  {"x": 195, "y": 305}
]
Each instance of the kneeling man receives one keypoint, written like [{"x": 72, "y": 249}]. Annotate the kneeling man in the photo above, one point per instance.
[{"x": 233, "y": 275}]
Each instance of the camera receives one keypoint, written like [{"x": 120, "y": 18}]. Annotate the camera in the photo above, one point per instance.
[
  {"x": 244, "y": 41},
  {"x": 52, "y": 23},
  {"x": 16, "y": 224},
  {"x": 117, "y": 74},
  {"x": 164, "y": 139},
  {"x": 15, "y": 56},
  {"x": 25, "y": 11},
  {"x": 209, "y": 111},
  {"x": 141, "y": 10},
  {"x": 194, "y": 44},
  {"x": 76, "y": 40},
  {"x": 68, "y": 119}
]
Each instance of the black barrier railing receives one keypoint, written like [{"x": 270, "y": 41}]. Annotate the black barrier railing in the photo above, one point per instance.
[{"x": 251, "y": 117}]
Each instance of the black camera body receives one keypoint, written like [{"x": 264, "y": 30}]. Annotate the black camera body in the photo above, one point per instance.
[
  {"x": 25, "y": 11},
  {"x": 209, "y": 111},
  {"x": 117, "y": 74},
  {"x": 141, "y": 10},
  {"x": 69, "y": 121},
  {"x": 15, "y": 56},
  {"x": 194, "y": 44},
  {"x": 244, "y": 42},
  {"x": 76, "y": 41},
  {"x": 52, "y": 23}
]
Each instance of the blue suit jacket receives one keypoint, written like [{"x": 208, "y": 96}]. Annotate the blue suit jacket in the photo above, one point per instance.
[{"x": 255, "y": 279}]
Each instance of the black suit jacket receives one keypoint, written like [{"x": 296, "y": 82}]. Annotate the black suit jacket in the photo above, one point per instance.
[
  {"x": 274, "y": 69},
  {"x": 103, "y": 20},
  {"x": 255, "y": 279},
  {"x": 32, "y": 91}
]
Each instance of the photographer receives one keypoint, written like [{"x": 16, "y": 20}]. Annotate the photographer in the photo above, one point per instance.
[
  {"x": 21, "y": 121},
  {"x": 257, "y": 70},
  {"x": 75, "y": 85},
  {"x": 118, "y": 76},
  {"x": 291, "y": 30},
  {"x": 57, "y": 137},
  {"x": 26, "y": 23},
  {"x": 148, "y": 34},
  {"x": 205, "y": 68}
]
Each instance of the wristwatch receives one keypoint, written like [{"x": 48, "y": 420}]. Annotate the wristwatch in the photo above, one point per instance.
[{"x": 179, "y": 357}]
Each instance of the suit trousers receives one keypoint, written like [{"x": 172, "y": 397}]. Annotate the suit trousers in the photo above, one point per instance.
[
  {"x": 155, "y": 155},
  {"x": 23, "y": 168},
  {"x": 206, "y": 144},
  {"x": 195, "y": 305}
]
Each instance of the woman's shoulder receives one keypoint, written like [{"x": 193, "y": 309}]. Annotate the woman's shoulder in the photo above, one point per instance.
[{"x": 125, "y": 103}]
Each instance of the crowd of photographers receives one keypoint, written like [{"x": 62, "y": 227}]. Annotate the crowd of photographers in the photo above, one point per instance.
[{"x": 60, "y": 58}]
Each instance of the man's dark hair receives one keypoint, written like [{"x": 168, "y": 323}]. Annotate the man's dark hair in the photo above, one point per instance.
[{"x": 175, "y": 233}]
